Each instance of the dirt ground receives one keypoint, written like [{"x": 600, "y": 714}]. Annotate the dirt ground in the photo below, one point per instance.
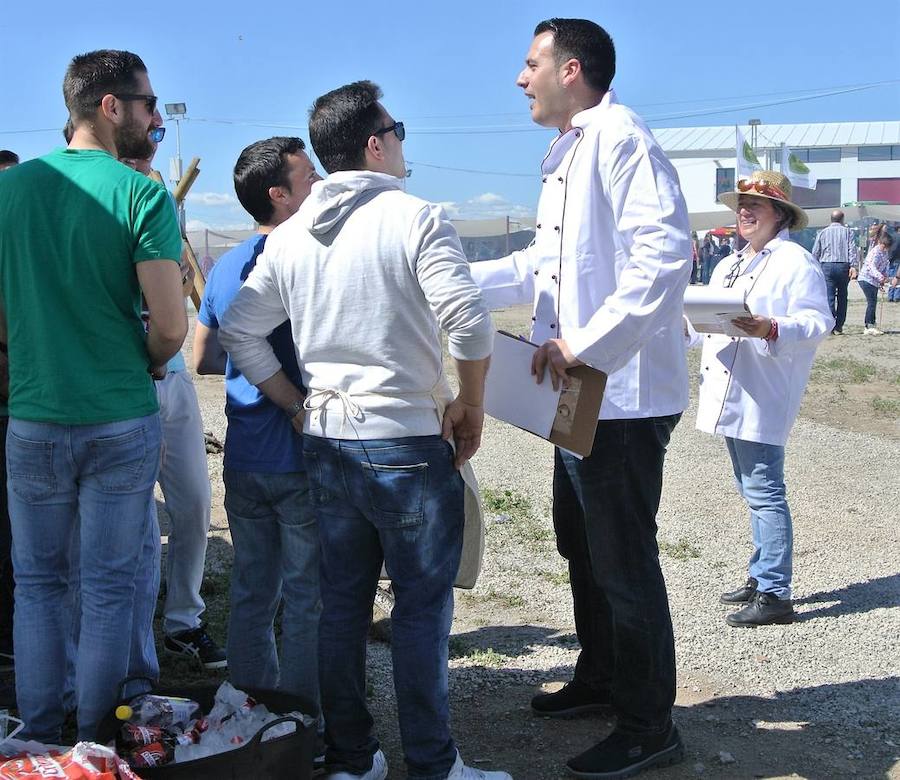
[{"x": 855, "y": 386}]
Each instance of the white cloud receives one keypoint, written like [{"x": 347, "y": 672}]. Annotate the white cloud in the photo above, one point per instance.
[
  {"x": 489, "y": 199},
  {"x": 196, "y": 225},
  {"x": 487, "y": 205},
  {"x": 212, "y": 198}
]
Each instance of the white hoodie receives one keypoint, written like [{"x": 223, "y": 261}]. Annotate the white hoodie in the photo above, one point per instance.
[{"x": 368, "y": 276}]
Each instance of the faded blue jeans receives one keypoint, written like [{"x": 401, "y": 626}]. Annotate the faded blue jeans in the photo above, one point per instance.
[
  {"x": 399, "y": 501},
  {"x": 276, "y": 558},
  {"x": 96, "y": 481},
  {"x": 759, "y": 475}
]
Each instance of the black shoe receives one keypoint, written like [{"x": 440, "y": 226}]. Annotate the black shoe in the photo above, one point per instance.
[
  {"x": 8, "y": 696},
  {"x": 764, "y": 610},
  {"x": 837, "y": 332},
  {"x": 196, "y": 644},
  {"x": 624, "y": 754},
  {"x": 574, "y": 698},
  {"x": 742, "y": 595}
]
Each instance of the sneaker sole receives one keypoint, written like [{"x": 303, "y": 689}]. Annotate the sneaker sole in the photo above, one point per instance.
[
  {"x": 723, "y": 600},
  {"x": 781, "y": 621},
  {"x": 668, "y": 757},
  {"x": 195, "y": 660},
  {"x": 575, "y": 712}
]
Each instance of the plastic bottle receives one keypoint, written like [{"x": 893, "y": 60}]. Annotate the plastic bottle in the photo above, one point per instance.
[{"x": 166, "y": 711}]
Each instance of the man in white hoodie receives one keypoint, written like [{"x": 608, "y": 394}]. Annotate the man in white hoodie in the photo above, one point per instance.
[{"x": 368, "y": 276}]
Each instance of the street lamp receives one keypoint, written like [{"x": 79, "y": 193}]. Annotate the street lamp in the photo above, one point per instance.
[{"x": 176, "y": 111}]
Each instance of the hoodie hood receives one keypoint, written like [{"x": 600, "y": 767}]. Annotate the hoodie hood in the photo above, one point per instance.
[{"x": 333, "y": 198}]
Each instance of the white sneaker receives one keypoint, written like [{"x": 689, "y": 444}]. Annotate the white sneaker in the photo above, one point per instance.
[
  {"x": 377, "y": 772},
  {"x": 873, "y": 331},
  {"x": 459, "y": 771}
]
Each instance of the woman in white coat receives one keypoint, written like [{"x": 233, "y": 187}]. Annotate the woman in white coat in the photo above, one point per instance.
[{"x": 751, "y": 386}]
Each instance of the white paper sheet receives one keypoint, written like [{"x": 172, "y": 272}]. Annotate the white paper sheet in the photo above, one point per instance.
[
  {"x": 510, "y": 392},
  {"x": 711, "y": 309}
]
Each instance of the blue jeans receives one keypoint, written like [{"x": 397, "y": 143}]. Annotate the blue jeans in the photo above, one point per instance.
[
  {"x": 871, "y": 293},
  {"x": 96, "y": 481},
  {"x": 399, "y": 501},
  {"x": 837, "y": 280},
  {"x": 604, "y": 514},
  {"x": 276, "y": 558},
  {"x": 759, "y": 475}
]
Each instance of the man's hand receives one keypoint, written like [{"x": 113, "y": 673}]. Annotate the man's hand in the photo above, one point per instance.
[
  {"x": 297, "y": 421},
  {"x": 158, "y": 372},
  {"x": 464, "y": 422},
  {"x": 556, "y": 357},
  {"x": 757, "y": 325},
  {"x": 853, "y": 274}
]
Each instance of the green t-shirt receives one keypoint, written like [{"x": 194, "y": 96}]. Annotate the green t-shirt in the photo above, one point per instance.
[{"x": 72, "y": 226}]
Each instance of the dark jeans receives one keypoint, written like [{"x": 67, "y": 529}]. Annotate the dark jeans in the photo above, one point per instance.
[
  {"x": 837, "y": 279},
  {"x": 7, "y": 584},
  {"x": 604, "y": 513},
  {"x": 399, "y": 501},
  {"x": 871, "y": 293}
]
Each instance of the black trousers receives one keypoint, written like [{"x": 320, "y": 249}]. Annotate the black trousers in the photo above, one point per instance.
[{"x": 604, "y": 513}]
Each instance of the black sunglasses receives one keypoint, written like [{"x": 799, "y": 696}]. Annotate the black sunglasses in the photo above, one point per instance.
[
  {"x": 149, "y": 100},
  {"x": 398, "y": 129}
]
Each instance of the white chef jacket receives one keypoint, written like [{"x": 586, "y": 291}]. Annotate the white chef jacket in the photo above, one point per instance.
[
  {"x": 751, "y": 388},
  {"x": 610, "y": 261}
]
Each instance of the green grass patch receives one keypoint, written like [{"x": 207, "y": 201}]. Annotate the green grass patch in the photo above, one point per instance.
[
  {"x": 681, "y": 550},
  {"x": 506, "y": 502},
  {"x": 477, "y": 655},
  {"x": 556, "y": 577},
  {"x": 890, "y": 407},
  {"x": 844, "y": 369}
]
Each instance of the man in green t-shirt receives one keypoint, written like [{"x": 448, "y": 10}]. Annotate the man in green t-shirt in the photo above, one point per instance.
[{"x": 81, "y": 236}]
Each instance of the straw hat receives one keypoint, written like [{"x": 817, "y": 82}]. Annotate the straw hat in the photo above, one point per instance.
[{"x": 772, "y": 186}]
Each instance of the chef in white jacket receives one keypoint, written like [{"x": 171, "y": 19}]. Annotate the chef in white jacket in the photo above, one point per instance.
[{"x": 751, "y": 386}]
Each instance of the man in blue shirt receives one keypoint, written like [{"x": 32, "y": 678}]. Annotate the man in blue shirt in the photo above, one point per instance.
[{"x": 273, "y": 532}]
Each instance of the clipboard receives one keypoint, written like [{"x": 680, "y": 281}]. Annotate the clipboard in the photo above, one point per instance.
[
  {"x": 565, "y": 417},
  {"x": 711, "y": 309}
]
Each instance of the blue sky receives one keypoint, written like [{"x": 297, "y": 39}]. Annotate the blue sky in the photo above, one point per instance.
[{"x": 251, "y": 70}]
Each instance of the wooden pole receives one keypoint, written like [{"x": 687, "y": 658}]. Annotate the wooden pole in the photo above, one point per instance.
[{"x": 190, "y": 176}]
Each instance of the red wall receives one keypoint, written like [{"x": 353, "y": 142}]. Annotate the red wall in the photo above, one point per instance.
[{"x": 879, "y": 189}]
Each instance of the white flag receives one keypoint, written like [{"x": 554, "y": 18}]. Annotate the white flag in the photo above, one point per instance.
[
  {"x": 796, "y": 170},
  {"x": 747, "y": 161}
]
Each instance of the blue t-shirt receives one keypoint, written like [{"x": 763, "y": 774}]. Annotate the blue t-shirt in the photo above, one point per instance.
[{"x": 260, "y": 438}]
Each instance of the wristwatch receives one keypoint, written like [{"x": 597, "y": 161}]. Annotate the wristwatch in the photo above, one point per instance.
[{"x": 294, "y": 409}]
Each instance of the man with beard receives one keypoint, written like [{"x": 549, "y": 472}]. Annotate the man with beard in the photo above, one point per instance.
[{"x": 81, "y": 236}]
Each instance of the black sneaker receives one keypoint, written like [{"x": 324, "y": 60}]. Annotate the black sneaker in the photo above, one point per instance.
[
  {"x": 764, "y": 610},
  {"x": 743, "y": 595},
  {"x": 574, "y": 698},
  {"x": 196, "y": 644},
  {"x": 624, "y": 754}
]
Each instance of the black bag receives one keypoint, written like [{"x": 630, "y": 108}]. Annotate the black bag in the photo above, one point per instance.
[{"x": 289, "y": 757}]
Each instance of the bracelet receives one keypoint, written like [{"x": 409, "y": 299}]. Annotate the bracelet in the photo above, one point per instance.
[
  {"x": 294, "y": 409},
  {"x": 772, "y": 335}
]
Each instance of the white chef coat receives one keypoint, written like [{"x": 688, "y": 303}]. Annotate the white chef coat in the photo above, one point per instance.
[
  {"x": 751, "y": 388},
  {"x": 610, "y": 261}
]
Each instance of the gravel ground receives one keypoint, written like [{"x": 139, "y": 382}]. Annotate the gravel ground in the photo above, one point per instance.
[{"x": 817, "y": 699}]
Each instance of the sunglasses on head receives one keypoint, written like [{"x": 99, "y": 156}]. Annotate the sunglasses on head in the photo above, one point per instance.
[
  {"x": 149, "y": 100},
  {"x": 398, "y": 129},
  {"x": 157, "y": 134},
  {"x": 761, "y": 187}
]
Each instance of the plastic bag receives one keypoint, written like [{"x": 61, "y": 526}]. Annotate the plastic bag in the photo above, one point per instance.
[{"x": 85, "y": 761}]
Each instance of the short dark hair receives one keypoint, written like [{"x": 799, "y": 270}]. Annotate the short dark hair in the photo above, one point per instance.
[
  {"x": 261, "y": 165},
  {"x": 886, "y": 238},
  {"x": 7, "y": 157},
  {"x": 341, "y": 122},
  {"x": 91, "y": 76},
  {"x": 587, "y": 42}
]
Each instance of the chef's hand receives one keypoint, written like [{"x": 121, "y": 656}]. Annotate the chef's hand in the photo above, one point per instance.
[{"x": 555, "y": 356}]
